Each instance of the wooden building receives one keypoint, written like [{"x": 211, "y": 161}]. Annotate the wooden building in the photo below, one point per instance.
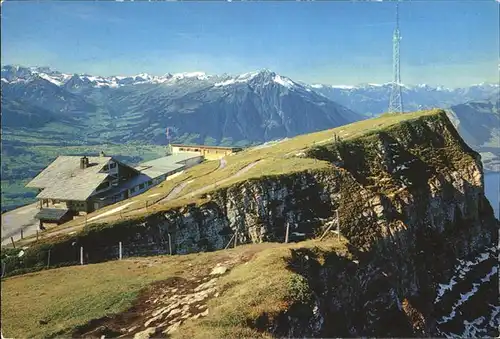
[
  {"x": 208, "y": 152},
  {"x": 77, "y": 185}
]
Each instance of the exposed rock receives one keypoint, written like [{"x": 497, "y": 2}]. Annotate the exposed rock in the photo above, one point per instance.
[
  {"x": 174, "y": 312},
  {"x": 146, "y": 334},
  {"x": 206, "y": 285},
  {"x": 147, "y": 323},
  {"x": 132, "y": 329},
  {"x": 173, "y": 327},
  {"x": 219, "y": 270}
]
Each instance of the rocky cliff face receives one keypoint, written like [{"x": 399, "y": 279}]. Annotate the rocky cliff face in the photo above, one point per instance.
[{"x": 410, "y": 201}]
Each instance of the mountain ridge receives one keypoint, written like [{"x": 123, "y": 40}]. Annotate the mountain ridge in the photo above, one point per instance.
[
  {"x": 253, "y": 107},
  {"x": 117, "y": 80}
]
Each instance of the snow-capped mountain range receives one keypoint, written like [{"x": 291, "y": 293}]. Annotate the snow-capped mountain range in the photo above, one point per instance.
[
  {"x": 12, "y": 74},
  {"x": 366, "y": 99},
  {"x": 248, "y": 108},
  {"x": 373, "y": 99}
]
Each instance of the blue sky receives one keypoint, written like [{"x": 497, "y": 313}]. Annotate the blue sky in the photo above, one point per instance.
[{"x": 453, "y": 43}]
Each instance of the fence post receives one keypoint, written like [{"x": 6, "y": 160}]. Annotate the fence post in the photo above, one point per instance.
[
  {"x": 36, "y": 235},
  {"x": 22, "y": 235},
  {"x": 146, "y": 205},
  {"x": 120, "y": 249},
  {"x": 229, "y": 243},
  {"x": 4, "y": 264},
  {"x": 169, "y": 244},
  {"x": 287, "y": 230},
  {"x": 338, "y": 224},
  {"x": 81, "y": 255},
  {"x": 12, "y": 240},
  {"x": 48, "y": 260}
]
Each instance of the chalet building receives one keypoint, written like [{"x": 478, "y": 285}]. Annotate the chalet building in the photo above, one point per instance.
[
  {"x": 75, "y": 185},
  {"x": 208, "y": 152}
]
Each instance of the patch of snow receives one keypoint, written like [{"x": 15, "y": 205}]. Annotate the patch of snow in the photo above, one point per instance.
[
  {"x": 283, "y": 81},
  {"x": 343, "y": 86},
  {"x": 245, "y": 77},
  {"x": 48, "y": 78},
  {"x": 66, "y": 77},
  {"x": 317, "y": 86},
  {"x": 471, "y": 331},
  {"x": 198, "y": 75},
  {"x": 225, "y": 83},
  {"x": 460, "y": 273},
  {"x": 443, "y": 288},
  {"x": 493, "y": 271},
  {"x": 466, "y": 296},
  {"x": 92, "y": 78},
  {"x": 495, "y": 317},
  {"x": 248, "y": 76}
]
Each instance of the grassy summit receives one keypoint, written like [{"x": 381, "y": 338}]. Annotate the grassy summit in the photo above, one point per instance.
[
  {"x": 273, "y": 159},
  {"x": 267, "y": 283}
]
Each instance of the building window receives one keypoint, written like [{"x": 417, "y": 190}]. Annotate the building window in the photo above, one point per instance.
[
  {"x": 141, "y": 186},
  {"x": 112, "y": 165},
  {"x": 132, "y": 190},
  {"x": 150, "y": 182}
]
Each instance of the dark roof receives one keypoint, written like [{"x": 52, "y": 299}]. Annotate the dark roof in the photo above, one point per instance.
[
  {"x": 51, "y": 214},
  {"x": 63, "y": 179},
  {"x": 207, "y": 146}
]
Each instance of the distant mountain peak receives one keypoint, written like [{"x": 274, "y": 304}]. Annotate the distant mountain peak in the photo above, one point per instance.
[{"x": 262, "y": 76}]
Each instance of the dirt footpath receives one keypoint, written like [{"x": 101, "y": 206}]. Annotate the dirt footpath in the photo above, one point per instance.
[{"x": 162, "y": 307}]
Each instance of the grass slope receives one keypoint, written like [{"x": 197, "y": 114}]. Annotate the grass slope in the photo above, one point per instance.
[
  {"x": 68, "y": 297},
  {"x": 277, "y": 158}
]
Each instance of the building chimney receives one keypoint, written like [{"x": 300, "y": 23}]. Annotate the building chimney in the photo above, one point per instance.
[{"x": 84, "y": 162}]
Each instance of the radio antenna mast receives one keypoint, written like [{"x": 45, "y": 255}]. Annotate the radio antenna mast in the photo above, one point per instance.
[{"x": 396, "y": 99}]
